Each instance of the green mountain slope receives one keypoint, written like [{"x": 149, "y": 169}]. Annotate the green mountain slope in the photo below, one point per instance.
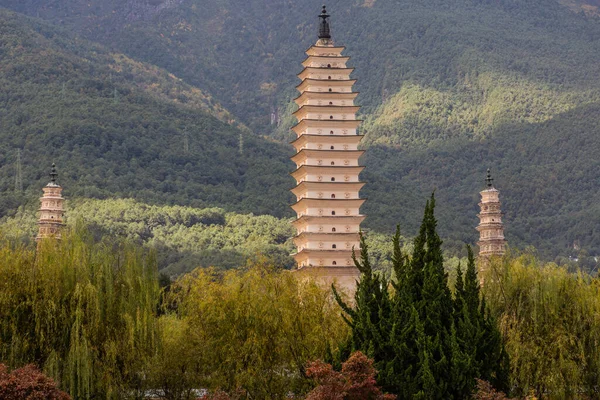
[
  {"x": 547, "y": 174},
  {"x": 478, "y": 62},
  {"x": 119, "y": 128},
  {"x": 448, "y": 89}
]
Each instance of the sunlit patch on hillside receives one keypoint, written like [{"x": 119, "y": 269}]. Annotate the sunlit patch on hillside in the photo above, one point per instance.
[
  {"x": 418, "y": 115},
  {"x": 589, "y": 7}
]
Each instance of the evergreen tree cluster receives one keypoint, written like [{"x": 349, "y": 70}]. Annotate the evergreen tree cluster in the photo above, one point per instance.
[{"x": 426, "y": 343}]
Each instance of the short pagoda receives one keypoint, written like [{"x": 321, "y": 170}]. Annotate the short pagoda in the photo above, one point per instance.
[
  {"x": 491, "y": 230},
  {"x": 327, "y": 175},
  {"x": 51, "y": 210}
]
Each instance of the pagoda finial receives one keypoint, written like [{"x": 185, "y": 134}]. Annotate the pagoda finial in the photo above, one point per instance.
[
  {"x": 489, "y": 179},
  {"x": 53, "y": 174},
  {"x": 324, "y": 32}
]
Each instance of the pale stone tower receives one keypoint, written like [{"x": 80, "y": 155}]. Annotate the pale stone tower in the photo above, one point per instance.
[
  {"x": 327, "y": 175},
  {"x": 491, "y": 230},
  {"x": 51, "y": 210}
]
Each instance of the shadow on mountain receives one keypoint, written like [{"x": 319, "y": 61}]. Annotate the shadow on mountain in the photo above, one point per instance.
[{"x": 548, "y": 175}]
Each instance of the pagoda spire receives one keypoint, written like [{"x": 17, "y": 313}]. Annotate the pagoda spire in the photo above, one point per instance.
[
  {"x": 491, "y": 229},
  {"x": 51, "y": 210},
  {"x": 53, "y": 174},
  {"x": 324, "y": 31},
  {"x": 489, "y": 180},
  {"x": 328, "y": 186}
]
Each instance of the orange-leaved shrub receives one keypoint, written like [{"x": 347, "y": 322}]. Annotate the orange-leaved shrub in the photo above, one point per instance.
[
  {"x": 356, "y": 381},
  {"x": 28, "y": 383}
]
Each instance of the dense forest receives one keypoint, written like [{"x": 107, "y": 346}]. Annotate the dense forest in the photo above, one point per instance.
[
  {"x": 174, "y": 102},
  {"x": 120, "y": 128}
]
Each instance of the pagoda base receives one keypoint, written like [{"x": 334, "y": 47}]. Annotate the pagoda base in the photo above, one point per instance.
[{"x": 344, "y": 278}]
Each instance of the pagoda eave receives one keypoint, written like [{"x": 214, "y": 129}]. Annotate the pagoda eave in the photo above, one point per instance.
[
  {"x": 336, "y": 70},
  {"x": 326, "y": 108},
  {"x": 340, "y": 59},
  {"x": 44, "y": 221},
  {"x": 308, "y": 95},
  {"x": 315, "y": 50},
  {"x": 328, "y": 219},
  {"x": 315, "y": 202},
  {"x": 330, "y": 82},
  {"x": 307, "y": 185},
  {"x": 327, "y": 236},
  {"x": 336, "y": 154},
  {"x": 304, "y": 253},
  {"x": 326, "y": 124},
  {"x": 306, "y": 169},
  {"x": 305, "y": 138}
]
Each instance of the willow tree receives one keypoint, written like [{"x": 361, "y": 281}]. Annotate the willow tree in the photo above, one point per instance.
[
  {"x": 550, "y": 322},
  {"x": 83, "y": 311},
  {"x": 254, "y": 329}
]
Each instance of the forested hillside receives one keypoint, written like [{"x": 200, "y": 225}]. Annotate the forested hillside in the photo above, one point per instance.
[
  {"x": 119, "y": 128},
  {"x": 448, "y": 88}
]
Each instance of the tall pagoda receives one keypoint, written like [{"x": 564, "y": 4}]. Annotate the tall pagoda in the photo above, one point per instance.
[
  {"x": 51, "y": 210},
  {"x": 327, "y": 175},
  {"x": 491, "y": 230}
]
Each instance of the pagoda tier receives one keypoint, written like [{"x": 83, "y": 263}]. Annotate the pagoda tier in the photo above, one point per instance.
[
  {"x": 330, "y": 157},
  {"x": 326, "y": 85},
  {"x": 326, "y": 223},
  {"x": 491, "y": 229},
  {"x": 331, "y": 190},
  {"x": 320, "y": 98},
  {"x": 326, "y": 127},
  {"x": 325, "y": 48},
  {"x": 320, "y": 207},
  {"x": 328, "y": 160},
  {"x": 327, "y": 112},
  {"x": 329, "y": 173},
  {"x": 317, "y": 142},
  {"x": 316, "y": 61},
  {"x": 329, "y": 73}
]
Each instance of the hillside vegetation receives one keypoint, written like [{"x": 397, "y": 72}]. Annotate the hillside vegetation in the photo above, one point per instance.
[
  {"x": 120, "y": 128},
  {"x": 184, "y": 238},
  {"x": 448, "y": 89}
]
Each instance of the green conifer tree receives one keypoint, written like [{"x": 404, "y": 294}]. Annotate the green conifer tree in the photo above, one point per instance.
[
  {"x": 477, "y": 334},
  {"x": 400, "y": 375},
  {"x": 426, "y": 345},
  {"x": 369, "y": 317}
]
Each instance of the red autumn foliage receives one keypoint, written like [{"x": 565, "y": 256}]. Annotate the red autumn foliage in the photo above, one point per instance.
[
  {"x": 28, "y": 383},
  {"x": 356, "y": 381}
]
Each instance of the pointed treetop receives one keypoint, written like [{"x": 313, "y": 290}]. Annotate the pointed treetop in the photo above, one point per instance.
[
  {"x": 489, "y": 179},
  {"x": 53, "y": 174},
  {"x": 324, "y": 32}
]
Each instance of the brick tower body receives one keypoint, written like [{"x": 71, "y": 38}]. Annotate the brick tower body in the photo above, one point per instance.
[
  {"x": 327, "y": 159},
  {"x": 491, "y": 230},
  {"x": 51, "y": 210}
]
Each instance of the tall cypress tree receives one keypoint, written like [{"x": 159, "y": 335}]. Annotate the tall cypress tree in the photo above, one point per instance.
[
  {"x": 477, "y": 333},
  {"x": 369, "y": 318},
  {"x": 422, "y": 326},
  {"x": 435, "y": 306},
  {"x": 426, "y": 345},
  {"x": 401, "y": 374}
]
